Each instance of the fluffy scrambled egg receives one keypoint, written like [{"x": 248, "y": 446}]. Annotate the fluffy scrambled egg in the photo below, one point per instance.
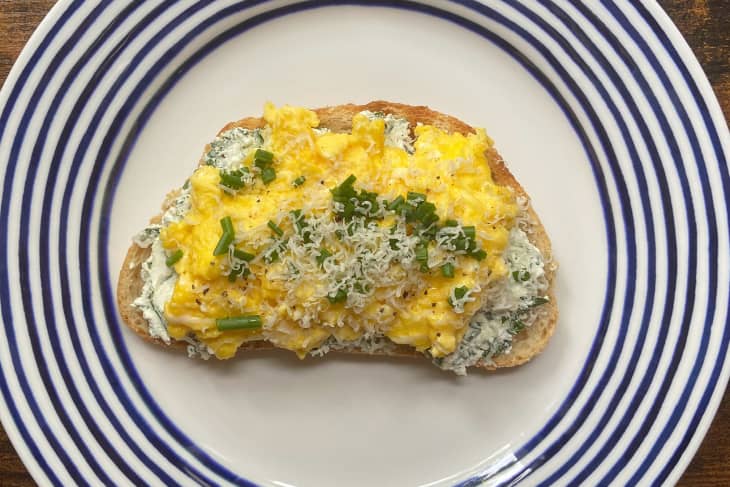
[{"x": 298, "y": 279}]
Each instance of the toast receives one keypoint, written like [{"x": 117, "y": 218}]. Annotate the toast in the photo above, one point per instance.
[{"x": 525, "y": 345}]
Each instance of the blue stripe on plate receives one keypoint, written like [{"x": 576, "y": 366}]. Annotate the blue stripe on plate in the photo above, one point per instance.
[
  {"x": 691, "y": 83},
  {"x": 618, "y": 393},
  {"x": 640, "y": 434},
  {"x": 712, "y": 227},
  {"x": 4, "y": 278},
  {"x": 51, "y": 326},
  {"x": 646, "y": 313},
  {"x": 111, "y": 374}
]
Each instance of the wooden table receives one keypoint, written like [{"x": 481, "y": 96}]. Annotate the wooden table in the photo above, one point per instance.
[{"x": 706, "y": 26}]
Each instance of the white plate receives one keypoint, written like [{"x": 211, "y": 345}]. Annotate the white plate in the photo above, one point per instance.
[{"x": 602, "y": 113}]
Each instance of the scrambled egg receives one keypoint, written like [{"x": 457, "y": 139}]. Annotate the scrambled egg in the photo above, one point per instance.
[{"x": 290, "y": 280}]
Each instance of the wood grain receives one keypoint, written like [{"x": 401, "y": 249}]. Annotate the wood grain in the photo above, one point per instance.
[{"x": 705, "y": 25}]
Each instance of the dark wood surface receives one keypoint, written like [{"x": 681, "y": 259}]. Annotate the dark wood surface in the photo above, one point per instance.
[{"x": 705, "y": 25}]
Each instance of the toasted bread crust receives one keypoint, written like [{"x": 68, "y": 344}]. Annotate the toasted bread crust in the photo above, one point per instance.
[{"x": 525, "y": 346}]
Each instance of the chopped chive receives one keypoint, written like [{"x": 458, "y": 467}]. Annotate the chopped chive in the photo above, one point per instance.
[
  {"x": 349, "y": 181},
  {"x": 470, "y": 232},
  {"x": 268, "y": 174},
  {"x": 233, "y": 179},
  {"x": 226, "y": 238},
  {"x": 415, "y": 198},
  {"x": 460, "y": 292},
  {"x": 174, "y": 257},
  {"x": 421, "y": 253},
  {"x": 478, "y": 254},
  {"x": 240, "y": 254},
  {"x": 246, "y": 322},
  {"x": 323, "y": 255},
  {"x": 340, "y": 296},
  {"x": 424, "y": 211},
  {"x": 233, "y": 276},
  {"x": 275, "y": 228},
  {"x": 263, "y": 156},
  {"x": 227, "y": 225},
  {"x": 461, "y": 243},
  {"x": 538, "y": 301},
  {"x": 422, "y": 256},
  {"x": 447, "y": 270},
  {"x": 429, "y": 218},
  {"x": 298, "y": 181},
  {"x": 525, "y": 276},
  {"x": 451, "y": 223},
  {"x": 516, "y": 275},
  {"x": 396, "y": 203}
]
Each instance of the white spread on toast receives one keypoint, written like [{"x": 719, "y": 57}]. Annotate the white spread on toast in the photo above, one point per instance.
[
  {"x": 159, "y": 279},
  {"x": 159, "y": 282},
  {"x": 509, "y": 309},
  {"x": 397, "y": 130},
  {"x": 508, "y": 302}
]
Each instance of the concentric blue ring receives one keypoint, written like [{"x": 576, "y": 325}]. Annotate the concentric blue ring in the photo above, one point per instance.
[{"x": 576, "y": 441}]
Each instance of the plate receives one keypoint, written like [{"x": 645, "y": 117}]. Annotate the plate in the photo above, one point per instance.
[{"x": 602, "y": 113}]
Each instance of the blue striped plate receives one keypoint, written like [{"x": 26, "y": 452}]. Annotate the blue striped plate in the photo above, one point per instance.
[{"x": 602, "y": 113}]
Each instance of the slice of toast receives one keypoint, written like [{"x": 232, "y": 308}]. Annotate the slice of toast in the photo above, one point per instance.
[{"x": 527, "y": 344}]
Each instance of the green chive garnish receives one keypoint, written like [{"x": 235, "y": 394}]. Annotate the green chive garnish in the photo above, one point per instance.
[
  {"x": 460, "y": 292},
  {"x": 246, "y": 322},
  {"x": 240, "y": 254},
  {"x": 470, "y": 232},
  {"x": 233, "y": 179},
  {"x": 349, "y": 181},
  {"x": 174, "y": 257},
  {"x": 263, "y": 156},
  {"x": 323, "y": 255},
  {"x": 298, "y": 181},
  {"x": 275, "y": 228},
  {"x": 227, "y": 224},
  {"x": 415, "y": 198},
  {"x": 339, "y": 297},
  {"x": 538, "y": 301},
  {"x": 396, "y": 203},
  {"x": 461, "y": 243},
  {"x": 268, "y": 174},
  {"x": 478, "y": 254},
  {"x": 451, "y": 223},
  {"x": 227, "y": 238},
  {"x": 447, "y": 270}
]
